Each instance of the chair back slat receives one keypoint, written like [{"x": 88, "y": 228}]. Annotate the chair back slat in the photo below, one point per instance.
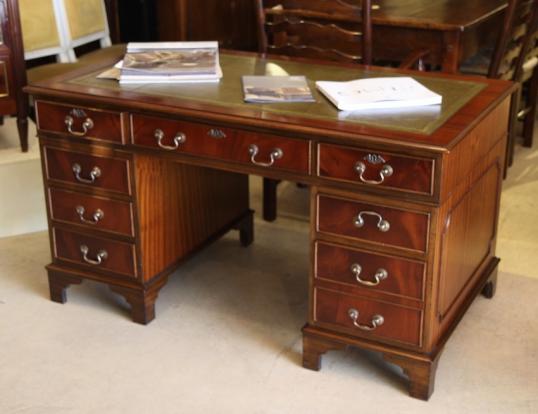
[
  {"x": 529, "y": 59},
  {"x": 512, "y": 39},
  {"x": 323, "y": 29}
]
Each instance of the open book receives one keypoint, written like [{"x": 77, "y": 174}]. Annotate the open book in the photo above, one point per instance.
[{"x": 375, "y": 93}]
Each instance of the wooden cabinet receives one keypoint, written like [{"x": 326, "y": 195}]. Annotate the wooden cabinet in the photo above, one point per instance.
[
  {"x": 13, "y": 69},
  {"x": 231, "y": 22}
]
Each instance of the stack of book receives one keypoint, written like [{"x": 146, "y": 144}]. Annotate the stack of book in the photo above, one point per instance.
[{"x": 171, "y": 62}]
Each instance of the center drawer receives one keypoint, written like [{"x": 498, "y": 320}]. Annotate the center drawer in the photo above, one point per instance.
[{"x": 262, "y": 150}]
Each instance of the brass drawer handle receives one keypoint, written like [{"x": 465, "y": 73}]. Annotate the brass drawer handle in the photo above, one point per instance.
[
  {"x": 179, "y": 139},
  {"x": 380, "y": 274},
  {"x": 86, "y": 126},
  {"x": 377, "y": 320},
  {"x": 276, "y": 154},
  {"x": 101, "y": 255},
  {"x": 97, "y": 216},
  {"x": 382, "y": 224},
  {"x": 95, "y": 173},
  {"x": 386, "y": 171},
  {"x": 216, "y": 133}
]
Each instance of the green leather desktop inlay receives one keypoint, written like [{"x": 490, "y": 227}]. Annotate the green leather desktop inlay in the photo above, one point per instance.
[{"x": 229, "y": 92}]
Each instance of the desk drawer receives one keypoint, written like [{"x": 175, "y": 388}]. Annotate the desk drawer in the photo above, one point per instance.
[
  {"x": 359, "y": 269},
  {"x": 221, "y": 143},
  {"x": 91, "y": 212},
  {"x": 80, "y": 122},
  {"x": 376, "y": 169},
  {"x": 94, "y": 252},
  {"x": 87, "y": 170},
  {"x": 374, "y": 319},
  {"x": 373, "y": 223}
]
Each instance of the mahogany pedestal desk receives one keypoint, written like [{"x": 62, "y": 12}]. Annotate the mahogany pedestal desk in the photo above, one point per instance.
[{"x": 404, "y": 205}]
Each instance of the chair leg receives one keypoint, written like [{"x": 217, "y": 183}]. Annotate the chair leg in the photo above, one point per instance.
[
  {"x": 530, "y": 117},
  {"x": 269, "y": 199},
  {"x": 512, "y": 121}
]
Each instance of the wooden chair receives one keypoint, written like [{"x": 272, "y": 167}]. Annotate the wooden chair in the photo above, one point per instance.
[
  {"x": 322, "y": 29},
  {"x": 515, "y": 58},
  {"x": 528, "y": 75}
]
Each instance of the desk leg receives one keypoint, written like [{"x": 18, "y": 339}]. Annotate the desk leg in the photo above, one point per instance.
[
  {"x": 142, "y": 301},
  {"x": 246, "y": 229},
  {"x": 58, "y": 283},
  {"x": 421, "y": 373}
]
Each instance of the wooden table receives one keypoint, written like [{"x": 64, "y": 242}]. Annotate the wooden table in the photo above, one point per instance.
[
  {"x": 452, "y": 30},
  {"x": 404, "y": 204}
]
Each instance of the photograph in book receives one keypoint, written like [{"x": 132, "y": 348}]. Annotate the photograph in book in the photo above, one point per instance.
[
  {"x": 378, "y": 93},
  {"x": 171, "y": 62},
  {"x": 270, "y": 89}
]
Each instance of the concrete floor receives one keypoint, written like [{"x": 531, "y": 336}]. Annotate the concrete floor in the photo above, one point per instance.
[{"x": 227, "y": 334}]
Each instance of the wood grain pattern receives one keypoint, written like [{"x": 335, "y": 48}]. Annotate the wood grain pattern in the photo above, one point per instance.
[
  {"x": 410, "y": 174},
  {"x": 401, "y": 324},
  {"x": 180, "y": 207},
  {"x": 408, "y": 230},
  {"x": 117, "y": 216},
  {"x": 51, "y": 117},
  {"x": 234, "y": 146},
  {"x": 121, "y": 256},
  {"x": 114, "y": 171},
  {"x": 405, "y": 277}
]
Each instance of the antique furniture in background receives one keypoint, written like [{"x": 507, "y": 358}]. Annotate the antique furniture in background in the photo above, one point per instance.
[
  {"x": 12, "y": 69},
  {"x": 515, "y": 58},
  {"x": 231, "y": 22},
  {"x": 452, "y": 30},
  {"x": 403, "y": 208}
]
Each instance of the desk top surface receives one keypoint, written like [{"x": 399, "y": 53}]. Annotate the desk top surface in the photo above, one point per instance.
[
  {"x": 223, "y": 101},
  {"x": 436, "y": 14}
]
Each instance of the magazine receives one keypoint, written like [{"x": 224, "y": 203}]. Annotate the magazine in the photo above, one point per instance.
[
  {"x": 375, "y": 93},
  {"x": 270, "y": 89}
]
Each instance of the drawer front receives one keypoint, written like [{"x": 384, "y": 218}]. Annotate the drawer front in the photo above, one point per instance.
[
  {"x": 92, "y": 212},
  {"x": 376, "y": 169},
  {"x": 94, "y": 252},
  {"x": 356, "y": 268},
  {"x": 76, "y": 121},
  {"x": 373, "y": 223},
  {"x": 91, "y": 171},
  {"x": 361, "y": 317},
  {"x": 264, "y": 150}
]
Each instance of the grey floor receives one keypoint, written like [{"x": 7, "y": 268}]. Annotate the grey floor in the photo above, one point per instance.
[{"x": 227, "y": 334}]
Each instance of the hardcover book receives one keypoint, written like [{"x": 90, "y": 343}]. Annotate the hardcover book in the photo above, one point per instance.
[
  {"x": 164, "y": 62},
  {"x": 376, "y": 93},
  {"x": 270, "y": 89}
]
